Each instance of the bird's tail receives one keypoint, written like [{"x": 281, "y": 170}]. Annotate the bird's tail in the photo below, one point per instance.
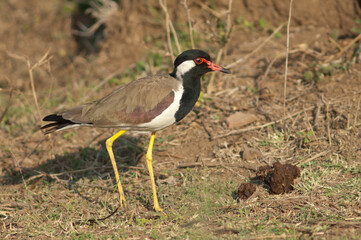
[{"x": 58, "y": 123}]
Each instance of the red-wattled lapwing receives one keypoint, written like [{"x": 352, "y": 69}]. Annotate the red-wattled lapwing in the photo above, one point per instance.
[{"x": 148, "y": 104}]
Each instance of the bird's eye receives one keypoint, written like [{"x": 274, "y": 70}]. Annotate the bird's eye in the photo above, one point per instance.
[{"x": 198, "y": 61}]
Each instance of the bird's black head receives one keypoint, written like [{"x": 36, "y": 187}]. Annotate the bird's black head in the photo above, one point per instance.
[{"x": 194, "y": 62}]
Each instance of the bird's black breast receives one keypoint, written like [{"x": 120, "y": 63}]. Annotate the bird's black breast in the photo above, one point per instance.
[{"x": 192, "y": 89}]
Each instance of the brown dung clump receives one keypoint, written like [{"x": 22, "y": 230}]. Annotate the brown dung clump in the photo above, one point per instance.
[{"x": 280, "y": 177}]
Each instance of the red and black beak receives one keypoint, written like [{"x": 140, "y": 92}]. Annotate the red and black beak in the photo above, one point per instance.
[{"x": 215, "y": 67}]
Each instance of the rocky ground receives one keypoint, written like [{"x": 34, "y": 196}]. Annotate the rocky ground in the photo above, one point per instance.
[{"x": 220, "y": 172}]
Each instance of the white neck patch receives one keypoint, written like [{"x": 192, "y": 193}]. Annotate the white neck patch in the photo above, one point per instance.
[{"x": 184, "y": 67}]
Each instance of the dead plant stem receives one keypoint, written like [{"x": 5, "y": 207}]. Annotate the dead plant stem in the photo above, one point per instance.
[
  {"x": 16, "y": 162},
  {"x": 43, "y": 60},
  {"x": 189, "y": 22},
  {"x": 327, "y": 121},
  {"x": 242, "y": 59},
  {"x": 343, "y": 49},
  {"x": 169, "y": 23},
  {"x": 239, "y": 131},
  {"x": 311, "y": 128},
  {"x": 169, "y": 38},
  {"x": 211, "y": 87},
  {"x": 286, "y": 63},
  {"x": 356, "y": 114},
  {"x": 7, "y": 105},
  {"x": 315, "y": 156}
]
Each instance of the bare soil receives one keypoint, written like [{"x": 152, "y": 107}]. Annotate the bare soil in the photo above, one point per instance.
[{"x": 48, "y": 183}]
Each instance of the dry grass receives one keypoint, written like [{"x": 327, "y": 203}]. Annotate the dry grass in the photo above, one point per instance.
[{"x": 63, "y": 186}]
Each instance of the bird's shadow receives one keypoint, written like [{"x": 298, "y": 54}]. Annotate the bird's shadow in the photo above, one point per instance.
[{"x": 83, "y": 163}]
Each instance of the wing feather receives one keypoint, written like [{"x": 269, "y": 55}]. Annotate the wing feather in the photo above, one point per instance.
[{"x": 137, "y": 102}]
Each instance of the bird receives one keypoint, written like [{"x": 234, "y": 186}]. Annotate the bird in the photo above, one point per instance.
[{"x": 148, "y": 104}]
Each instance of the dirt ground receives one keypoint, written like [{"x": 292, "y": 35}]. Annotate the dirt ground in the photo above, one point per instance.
[{"x": 62, "y": 185}]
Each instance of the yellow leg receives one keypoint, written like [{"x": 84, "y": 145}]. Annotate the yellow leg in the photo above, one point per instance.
[
  {"x": 150, "y": 169},
  {"x": 109, "y": 144}
]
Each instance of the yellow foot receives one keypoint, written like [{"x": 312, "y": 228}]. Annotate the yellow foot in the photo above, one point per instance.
[
  {"x": 122, "y": 201},
  {"x": 158, "y": 209}
]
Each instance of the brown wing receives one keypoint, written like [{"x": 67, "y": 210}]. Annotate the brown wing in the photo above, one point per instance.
[{"x": 137, "y": 102}]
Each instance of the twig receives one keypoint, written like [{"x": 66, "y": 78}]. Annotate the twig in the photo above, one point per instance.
[
  {"x": 93, "y": 220},
  {"x": 232, "y": 171},
  {"x": 7, "y": 106},
  {"x": 93, "y": 168},
  {"x": 35, "y": 177},
  {"x": 286, "y": 64},
  {"x": 334, "y": 42},
  {"x": 206, "y": 130},
  {"x": 42, "y": 61},
  {"x": 314, "y": 157},
  {"x": 51, "y": 85},
  {"x": 217, "y": 14},
  {"x": 197, "y": 164},
  {"x": 17, "y": 165},
  {"x": 167, "y": 29},
  {"x": 242, "y": 59},
  {"x": 210, "y": 87},
  {"x": 168, "y": 37},
  {"x": 55, "y": 175},
  {"x": 203, "y": 164},
  {"x": 328, "y": 121},
  {"x": 356, "y": 114},
  {"x": 33, "y": 150},
  {"x": 175, "y": 36},
  {"x": 239, "y": 131},
  {"x": 169, "y": 22},
  {"x": 189, "y": 22},
  {"x": 276, "y": 58},
  {"x": 283, "y": 236},
  {"x": 269, "y": 67},
  {"x": 310, "y": 126},
  {"x": 343, "y": 49},
  {"x": 228, "y": 25},
  {"x": 318, "y": 110}
]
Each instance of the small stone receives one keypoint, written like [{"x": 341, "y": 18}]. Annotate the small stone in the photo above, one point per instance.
[{"x": 240, "y": 119}]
